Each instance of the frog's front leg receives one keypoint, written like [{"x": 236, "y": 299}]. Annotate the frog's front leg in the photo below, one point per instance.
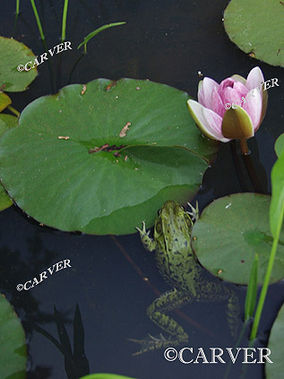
[
  {"x": 157, "y": 313},
  {"x": 147, "y": 241}
]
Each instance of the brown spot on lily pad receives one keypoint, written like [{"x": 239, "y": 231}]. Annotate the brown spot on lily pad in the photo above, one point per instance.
[{"x": 124, "y": 130}]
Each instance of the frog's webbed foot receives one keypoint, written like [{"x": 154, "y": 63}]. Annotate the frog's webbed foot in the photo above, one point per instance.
[
  {"x": 150, "y": 343},
  {"x": 193, "y": 212},
  {"x": 147, "y": 241}
]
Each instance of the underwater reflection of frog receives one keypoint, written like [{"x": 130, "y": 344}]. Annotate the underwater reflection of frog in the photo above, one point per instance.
[{"x": 178, "y": 265}]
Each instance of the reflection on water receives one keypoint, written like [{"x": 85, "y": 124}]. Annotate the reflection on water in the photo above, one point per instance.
[{"x": 76, "y": 363}]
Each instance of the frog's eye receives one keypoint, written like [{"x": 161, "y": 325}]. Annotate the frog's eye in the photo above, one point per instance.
[{"x": 158, "y": 227}]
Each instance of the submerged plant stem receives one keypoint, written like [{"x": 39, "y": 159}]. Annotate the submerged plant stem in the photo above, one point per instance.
[
  {"x": 64, "y": 18},
  {"x": 38, "y": 20},
  {"x": 266, "y": 280},
  {"x": 13, "y": 110},
  {"x": 244, "y": 146}
]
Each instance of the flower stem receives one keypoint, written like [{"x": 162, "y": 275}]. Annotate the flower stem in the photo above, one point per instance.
[{"x": 244, "y": 146}]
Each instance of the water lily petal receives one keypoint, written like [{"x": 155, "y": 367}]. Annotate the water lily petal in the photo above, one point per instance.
[
  {"x": 239, "y": 78},
  {"x": 228, "y": 82},
  {"x": 241, "y": 89},
  {"x": 232, "y": 96},
  {"x": 208, "y": 121},
  {"x": 254, "y": 78},
  {"x": 253, "y": 106},
  {"x": 205, "y": 90},
  {"x": 237, "y": 124}
]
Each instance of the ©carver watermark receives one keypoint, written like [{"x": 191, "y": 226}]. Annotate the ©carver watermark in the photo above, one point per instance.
[
  {"x": 214, "y": 355},
  {"x": 44, "y": 57},
  {"x": 43, "y": 275},
  {"x": 264, "y": 86}
]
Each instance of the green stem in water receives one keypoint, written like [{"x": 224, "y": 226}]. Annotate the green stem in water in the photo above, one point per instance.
[
  {"x": 64, "y": 18},
  {"x": 17, "y": 7},
  {"x": 38, "y": 20},
  {"x": 13, "y": 110},
  {"x": 266, "y": 280}
]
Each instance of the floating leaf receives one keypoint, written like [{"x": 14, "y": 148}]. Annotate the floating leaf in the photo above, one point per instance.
[
  {"x": 14, "y": 53},
  {"x": 275, "y": 344},
  {"x": 257, "y": 28},
  {"x": 105, "y": 376},
  {"x": 4, "y": 101},
  {"x": 6, "y": 122},
  {"x": 73, "y": 170},
  {"x": 279, "y": 144},
  {"x": 12, "y": 341},
  {"x": 229, "y": 233}
]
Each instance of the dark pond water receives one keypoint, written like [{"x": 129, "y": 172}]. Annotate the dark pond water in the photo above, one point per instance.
[{"x": 169, "y": 42}]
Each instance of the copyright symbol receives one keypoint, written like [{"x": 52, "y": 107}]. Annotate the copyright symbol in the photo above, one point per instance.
[
  {"x": 170, "y": 354},
  {"x": 20, "y": 287},
  {"x": 21, "y": 67}
]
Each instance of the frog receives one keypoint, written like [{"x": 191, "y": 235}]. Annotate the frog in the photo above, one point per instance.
[{"x": 180, "y": 267}]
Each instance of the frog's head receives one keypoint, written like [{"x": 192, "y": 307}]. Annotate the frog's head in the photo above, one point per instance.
[{"x": 172, "y": 227}]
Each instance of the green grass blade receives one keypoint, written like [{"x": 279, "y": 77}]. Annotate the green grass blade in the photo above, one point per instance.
[
  {"x": 17, "y": 7},
  {"x": 64, "y": 18},
  {"x": 97, "y": 31},
  {"x": 252, "y": 290},
  {"x": 276, "y": 221},
  {"x": 37, "y": 20}
]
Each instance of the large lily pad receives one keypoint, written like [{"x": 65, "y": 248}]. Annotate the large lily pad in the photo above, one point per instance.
[
  {"x": 229, "y": 233},
  {"x": 13, "y": 54},
  {"x": 102, "y": 157},
  {"x": 6, "y": 122},
  {"x": 12, "y": 342},
  {"x": 275, "y": 344},
  {"x": 257, "y": 27}
]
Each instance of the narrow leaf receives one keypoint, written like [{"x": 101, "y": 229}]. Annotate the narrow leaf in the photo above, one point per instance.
[
  {"x": 252, "y": 290},
  {"x": 97, "y": 31}
]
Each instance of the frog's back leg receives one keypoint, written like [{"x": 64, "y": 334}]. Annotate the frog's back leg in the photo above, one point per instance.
[
  {"x": 216, "y": 291},
  {"x": 157, "y": 313},
  {"x": 233, "y": 312}
]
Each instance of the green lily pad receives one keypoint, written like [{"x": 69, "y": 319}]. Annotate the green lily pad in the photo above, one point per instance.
[
  {"x": 4, "y": 101},
  {"x": 13, "y": 54},
  {"x": 257, "y": 28},
  {"x": 12, "y": 340},
  {"x": 6, "y": 122},
  {"x": 229, "y": 233},
  {"x": 279, "y": 145},
  {"x": 105, "y": 157},
  {"x": 275, "y": 344}
]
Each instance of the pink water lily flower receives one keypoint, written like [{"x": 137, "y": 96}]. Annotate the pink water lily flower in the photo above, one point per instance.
[{"x": 220, "y": 121}]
